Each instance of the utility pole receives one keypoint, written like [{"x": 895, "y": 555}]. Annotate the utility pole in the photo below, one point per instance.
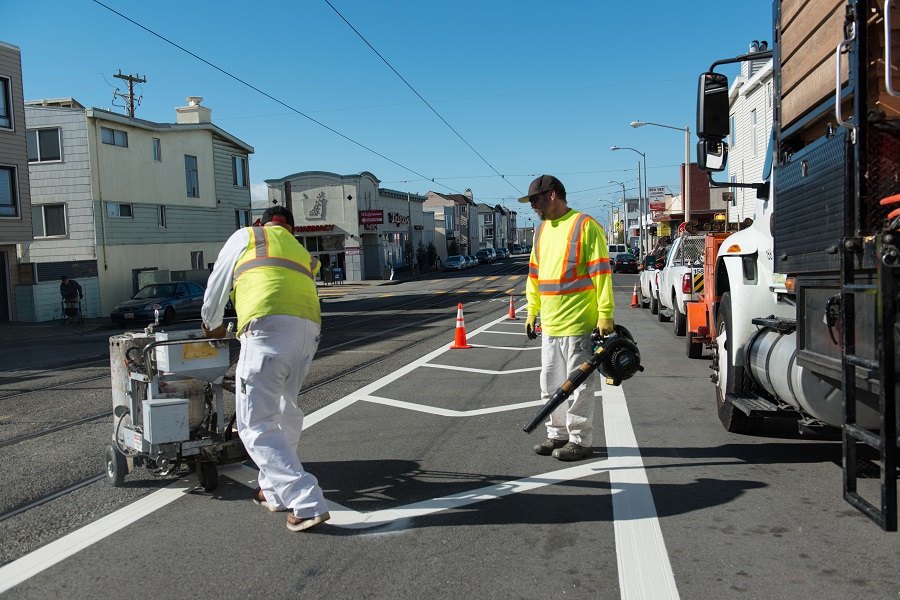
[{"x": 131, "y": 79}]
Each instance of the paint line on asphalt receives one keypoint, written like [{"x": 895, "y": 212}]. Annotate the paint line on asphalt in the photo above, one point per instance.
[
  {"x": 446, "y": 412},
  {"x": 484, "y": 371},
  {"x": 45, "y": 557},
  {"x": 643, "y": 562}
]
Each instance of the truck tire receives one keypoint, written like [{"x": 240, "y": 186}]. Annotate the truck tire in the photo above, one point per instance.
[
  {"x": 654, "y": 305},
  {"x": 731, "y": 379},
  {"x": 659, "y": 313},
  {"x": 641, "y": 298},
  {"x": 679, "y": 320}
]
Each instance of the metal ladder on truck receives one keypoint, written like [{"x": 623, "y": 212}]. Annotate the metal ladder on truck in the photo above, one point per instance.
[{"x": 885, "y": 441}]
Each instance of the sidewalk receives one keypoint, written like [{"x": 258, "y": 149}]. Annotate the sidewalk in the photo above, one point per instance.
[{"x": 12, "y": 331}]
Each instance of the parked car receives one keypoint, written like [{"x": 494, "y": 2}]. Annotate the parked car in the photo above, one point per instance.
[
  {"x": 502, "y": 253},
  {"x": 174, "y": 300},
  {"x": 473, "y": 262},
  {"x": 624, "y": 263},
  {"x": 455, "y": 263},
  {"x": 486, "y": 255}
]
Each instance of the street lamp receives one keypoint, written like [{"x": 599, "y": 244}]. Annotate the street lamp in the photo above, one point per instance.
[
  {"x": 643, "y": 202},
  {"x": 686, "y": 192},
  {"x": 624, "y": 210}
]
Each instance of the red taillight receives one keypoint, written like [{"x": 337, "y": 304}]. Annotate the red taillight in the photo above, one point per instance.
[
  {"x": 702, "y": 331},
  {"x": 686, "y": 284}
]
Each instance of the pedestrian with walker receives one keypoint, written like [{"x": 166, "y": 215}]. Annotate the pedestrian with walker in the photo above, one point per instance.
[
  {"x": 570, "y": 286},
  {"x": 72, "y": 294},
  {"x": 271, "y": 279}
]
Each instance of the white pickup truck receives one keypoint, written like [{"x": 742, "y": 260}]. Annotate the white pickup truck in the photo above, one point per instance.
[{"x": 680, "y": 280}]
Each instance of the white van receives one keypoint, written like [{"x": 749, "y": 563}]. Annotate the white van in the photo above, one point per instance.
[{"x": 617, "y": 249}]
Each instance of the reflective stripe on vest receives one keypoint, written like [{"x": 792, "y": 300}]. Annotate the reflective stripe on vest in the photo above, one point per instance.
[
  {"x": 263, "y": 259},
  {"x": 569, "y": 281}
]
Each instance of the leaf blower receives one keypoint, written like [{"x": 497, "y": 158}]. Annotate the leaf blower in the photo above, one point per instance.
[{"x": 617, "y": 357}]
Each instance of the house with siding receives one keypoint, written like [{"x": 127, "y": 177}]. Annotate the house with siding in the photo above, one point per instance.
[
  {"x": 463, "y": 230},
  {"x": 750, "y": 98},
  {"x": 15, "y": 196},
  {"x": 116, "y": 196}
]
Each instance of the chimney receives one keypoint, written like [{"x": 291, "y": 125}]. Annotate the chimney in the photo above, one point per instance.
[{"x": 193, "y": 112}]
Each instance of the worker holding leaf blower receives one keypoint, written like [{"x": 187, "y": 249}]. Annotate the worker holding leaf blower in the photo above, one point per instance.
[{"x": 570, "y": 285}]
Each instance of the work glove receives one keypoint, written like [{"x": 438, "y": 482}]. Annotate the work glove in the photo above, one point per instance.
[
  {"x": 529, "y": 327},
  {"x": 606, "y": 326},
  {"x": 217, "y": 333}
]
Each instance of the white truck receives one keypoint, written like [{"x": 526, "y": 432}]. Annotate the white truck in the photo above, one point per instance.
[
  {"x": 807, "y": 324},
  {"x": 679, "y": 280}
]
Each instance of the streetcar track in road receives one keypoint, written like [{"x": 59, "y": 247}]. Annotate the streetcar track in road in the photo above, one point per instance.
[
  {"x": 54, "y": 429},
  {"x": 52, "y": 496},
  {"x": 51, "y": 387}
]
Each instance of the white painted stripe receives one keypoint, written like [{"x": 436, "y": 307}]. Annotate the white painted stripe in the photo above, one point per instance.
[
  {"x": 485, "y": 371},
  {"x": 512, "y": 333},
  {"x": 446, "y": 412},
  {"x": 644, "y": 567},
  {"x": 344, "y": 517},
  {"x": 43, "y": 558}
]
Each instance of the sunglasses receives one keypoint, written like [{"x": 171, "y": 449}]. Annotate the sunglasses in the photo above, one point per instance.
[{"x": 536, "y": 197}]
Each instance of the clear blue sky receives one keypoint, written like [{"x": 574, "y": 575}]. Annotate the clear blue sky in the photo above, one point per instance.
[{"x": 534, "y": 87}]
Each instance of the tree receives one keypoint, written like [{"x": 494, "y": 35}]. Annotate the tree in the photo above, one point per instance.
[
  {"x": 432, "y": 253},
  {"x": 408, "y": 253},
  {"x": 452, "y": 248},
  {"x": 422, "y": 257}
]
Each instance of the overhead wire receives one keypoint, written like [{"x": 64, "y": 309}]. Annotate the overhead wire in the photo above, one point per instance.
[
  {"x": 403, "y": 79},
  {"x": 273, "y": 98}
]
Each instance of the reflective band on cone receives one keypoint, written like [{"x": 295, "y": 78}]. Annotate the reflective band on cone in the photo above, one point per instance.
[
  {"x": 634, "y": 300},
  {"x": 460, "y": 342},
  {"x": 512, "y": 310}
]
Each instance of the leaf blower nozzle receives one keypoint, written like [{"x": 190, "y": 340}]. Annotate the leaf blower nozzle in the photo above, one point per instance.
[{"x": 616, "y": 355}]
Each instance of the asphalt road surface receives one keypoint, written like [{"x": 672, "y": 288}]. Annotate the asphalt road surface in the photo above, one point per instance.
[{"x": 434, "y": 489}]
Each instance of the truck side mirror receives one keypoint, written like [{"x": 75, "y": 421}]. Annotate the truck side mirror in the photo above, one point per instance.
[
  {"x": 712, "y": 107},
  {"x": 712, "y": 155}
]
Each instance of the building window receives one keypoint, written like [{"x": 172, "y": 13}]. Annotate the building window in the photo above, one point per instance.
[
  {"x": 489, "y": 218},
  {"x": 161, "y": 216},
  {"x": 489, "y": 233},
  {"x": 191, "y": 176},
  {"x": 43, "y": 144},
  {"x": 242, "y": 218},
  {"x": 197, "y": 260},
  {"x": 9, "y": 197},
  {"x": 48, "y": 220},
  {"x": 157, "y": 150},
  {"x": 5, "y": 103},
  {"x": 119, "y": 211},
  {"x": 732, "y": 134},
  {"x": 114, "y": 137},
  {"x": 753, "y": 131},
  {"x": 239, "y": 169}
]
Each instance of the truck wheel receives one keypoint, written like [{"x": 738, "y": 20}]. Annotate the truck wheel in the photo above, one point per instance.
[
  {"x": 659, "y": 313},
  {"x": 694, "y": 349},
  {"x": 640, "y": 297},
  {"x": 680, "y": 321},
  {"x": 654, "y": 305},
  {"x": 731, "y": 379}
]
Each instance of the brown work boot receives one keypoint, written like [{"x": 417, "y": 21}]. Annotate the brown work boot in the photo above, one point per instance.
[
  {"x": 298, "y": 524},
  {"x": 547, "y": 447},
  {"x": 572, "y": 451}
]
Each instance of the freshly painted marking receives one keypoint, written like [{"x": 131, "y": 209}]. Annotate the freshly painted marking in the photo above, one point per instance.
[
  {"x": 493, "y": 278},
  {"x": 511, "y": 333},
  {"x": 446, "y": 412},
  {"x": 644, "y": 567},
  {"x": 515, "y": 348},
  {"x": 485, "y": 371},
  {"x": 45, "y": 557}
]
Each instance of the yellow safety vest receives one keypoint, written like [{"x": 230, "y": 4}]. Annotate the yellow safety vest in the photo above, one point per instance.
[
  {"x": 569, "y": 280},
  {"x": 274, "y": 276}
]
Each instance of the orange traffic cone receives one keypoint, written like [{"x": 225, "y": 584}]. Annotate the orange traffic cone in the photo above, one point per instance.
[
  {"x": 634, "y": 299},
  {"x": 512, "y": 310},
  {"x": 460, "y": 342}
]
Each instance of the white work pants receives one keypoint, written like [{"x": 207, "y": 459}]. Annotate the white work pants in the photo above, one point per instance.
[
  {"x": 276, "y": 352},
  {"x": 573, "y": 419}
]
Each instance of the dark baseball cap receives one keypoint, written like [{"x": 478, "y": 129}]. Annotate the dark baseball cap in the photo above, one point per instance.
[
  {"x": 277, "y": 214},
  {"x": 544, "y": 183}
]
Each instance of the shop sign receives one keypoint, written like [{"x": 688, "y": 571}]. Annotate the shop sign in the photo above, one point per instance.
[
  {"x": 352, "y": 251},
  {"x": 371, "y": 216},
  {"x": 419, "y": 227},
  {"x": 312, "y": 228},
  {"x": 657, "y": 206},
  {"x": 663, "y": 230},
  {"x": 368, "y": 227},
  {"x": 398, "y": 218}
]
